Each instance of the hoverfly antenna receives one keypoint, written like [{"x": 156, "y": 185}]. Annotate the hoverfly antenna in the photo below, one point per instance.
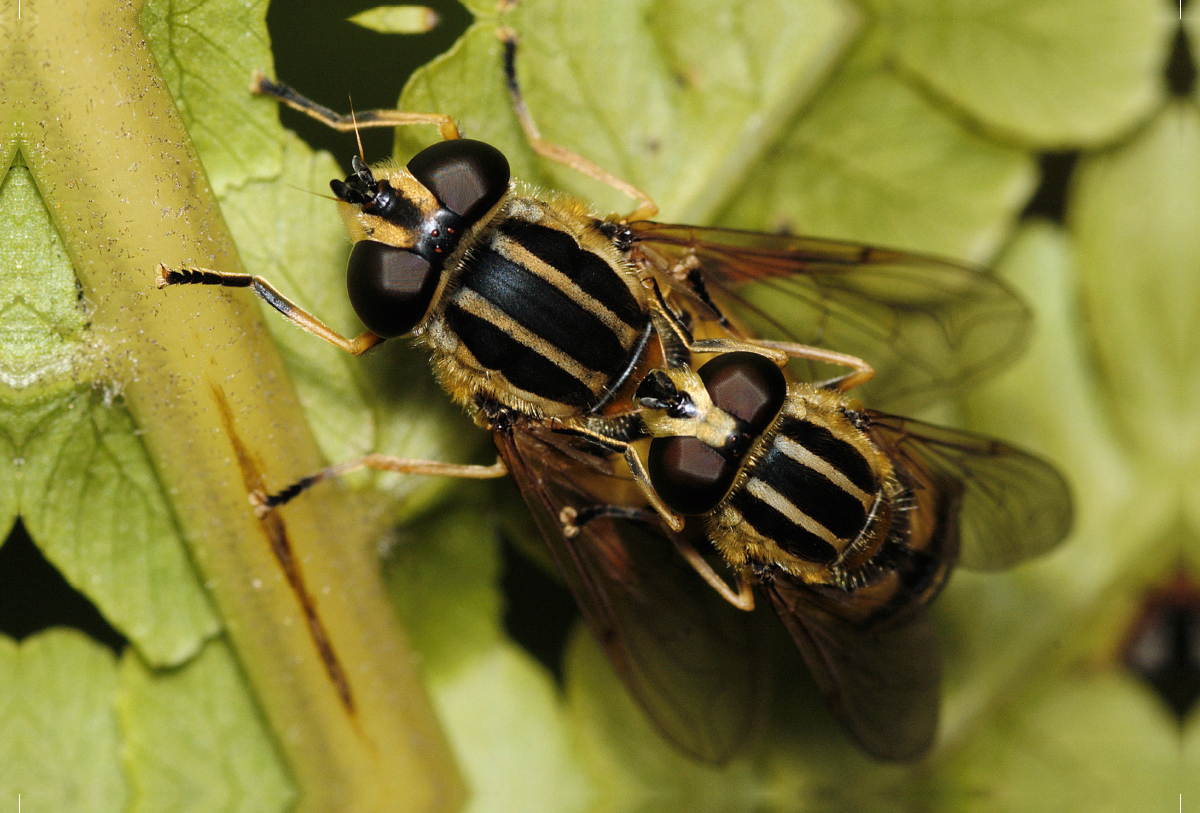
[{"x": 357, "y": 134}]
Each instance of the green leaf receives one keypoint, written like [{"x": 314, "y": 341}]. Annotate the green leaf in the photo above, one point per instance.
[
  {"x": 443, "y": 572},
  {"x": 636, "y": 87},
  {"x": 99, "y": 515},
  {"x": 207, "y": 50},
  {"x": 873, "y": 160},
  {"x": 632, "y": 767},
  {"x": 1049, "y": 74},
  {"x": 502, "y": 712},
  {"x": 1136, "y": 214},
  {"x": 505, "y": 720},
  {"x": 59, "y": 743},
  {"x": 194, "y": 742},
  {"x": 1094, "y": 741}
]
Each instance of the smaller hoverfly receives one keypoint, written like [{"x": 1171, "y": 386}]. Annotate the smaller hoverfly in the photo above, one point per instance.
[
  {"x": 849, "y": 520},
  {"x": 542, "y": 319}
]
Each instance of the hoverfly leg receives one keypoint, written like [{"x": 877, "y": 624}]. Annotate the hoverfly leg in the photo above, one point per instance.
[
  {"x": 262, "y": 86},
  {"x": 573, "y": 519},
  {"x": 267, "y": 292},
  {"x": 695, "y": 281},
  {"x": 743, "y": 599},
  {"x": 647, "y": 208},
  {"x": 673, "y": 331},
  {"x": 776, "y": 355},
  {"x": 861, "y": 372},
  {"x": 265, "y": 503},
  {"x": 638, "y": 469}
]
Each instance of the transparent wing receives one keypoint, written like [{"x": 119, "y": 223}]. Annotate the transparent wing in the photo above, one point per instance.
[
  {"x": 1014, "y": 505},
  {"x": 884, "y": 684},
  {"x": 684, "y": 653},
  {"x": 928, "y": 326}
]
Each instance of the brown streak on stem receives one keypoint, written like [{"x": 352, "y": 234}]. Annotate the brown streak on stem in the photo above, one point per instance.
[{"x": 281, "y": 547}]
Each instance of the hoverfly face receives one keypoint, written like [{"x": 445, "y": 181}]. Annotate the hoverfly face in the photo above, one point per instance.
[
  {"x": 789, "y": 478},
  {"x": 409, "y": 222},
  {"x": 705, "y": 424}
]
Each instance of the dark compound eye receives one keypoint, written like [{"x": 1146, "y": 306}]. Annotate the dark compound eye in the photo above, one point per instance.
[
  {"x": 689, "y": 476},
  {"x": 467, "y": 177},
  {"x": 747, "y": 386},
  {"x": 390, "y": 288}
]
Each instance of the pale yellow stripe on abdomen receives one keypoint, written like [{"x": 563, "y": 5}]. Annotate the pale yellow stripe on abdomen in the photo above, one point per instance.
[
  {"x": 803, "y": 456},
  {"x": 516, "y": 253},
  {"x": 476, "y": 305},
  {"x": 785, "y": 506}
]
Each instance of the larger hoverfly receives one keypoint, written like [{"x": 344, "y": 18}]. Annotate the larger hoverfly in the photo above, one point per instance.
[{"x": 543, "y": 319}]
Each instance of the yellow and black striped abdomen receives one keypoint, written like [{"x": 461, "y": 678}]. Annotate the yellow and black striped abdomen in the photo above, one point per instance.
[
  {"x": 552, "y": 322},
  {"x": 811, "y": 490}
]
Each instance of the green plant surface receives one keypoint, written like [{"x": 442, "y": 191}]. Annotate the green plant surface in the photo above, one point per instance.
[
  {"x": 60, "y": 745},
  {"x": 194, "y": 740},
  {"x": 1052, "y": 75},
  {"x": 513, "y": 741},
  {"x": 902, "y": 123}
]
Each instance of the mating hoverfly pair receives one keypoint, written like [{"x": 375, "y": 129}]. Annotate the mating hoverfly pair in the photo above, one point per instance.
[{"x": 632, "y": 375}]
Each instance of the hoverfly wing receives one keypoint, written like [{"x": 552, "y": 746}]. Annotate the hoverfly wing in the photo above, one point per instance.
[
  {"x": 882, "y": 683},
  {"x": 1014, "y": 506},
  {"x": 685, "y": 654},
  {"x": 927, "y": 325}
]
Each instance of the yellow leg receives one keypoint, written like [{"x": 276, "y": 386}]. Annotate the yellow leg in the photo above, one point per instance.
[
  {"x": 265, "y": 503},
  {"x": 743, "y": 599},
  {"x": 647, "y": 208},
  {"x": 266, "y": 292},
  {"x": 263, "y": 86}
]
